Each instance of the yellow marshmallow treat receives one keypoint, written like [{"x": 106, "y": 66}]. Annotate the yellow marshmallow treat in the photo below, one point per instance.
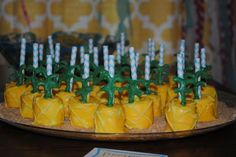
[
  {"x": 95, "y": 90},
  {"x": 48, "y": 112},
  {"x": 206, "y": 108},
  {"x": 139, "y": 114},
  {"x": 171, "y": 94},
  {"x": 26, "y": 107},
  {"x": 162, "y": 92},
  {"x": 210, "y": 90},
  {"x": 102, "y": 97},
  {"x": 181, "y": 117},
  {"x": 172, "y": 83},
  {"x": 65, "y": 97},
  {"x": 109, "y": 119},
  {"x": 82, "y": 114},
  {"x": 156, "y": 103},
  {"x": 13, "y": 93}
]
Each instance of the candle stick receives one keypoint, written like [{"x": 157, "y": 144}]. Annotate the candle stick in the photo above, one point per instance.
[
  {"x": 118, "y": 48},
  {"x": 136, "y": 59},
  {"x": 180, "y": 66},
  {"x": 180, "y": 71},
  {"x": 147, "y": 67},
  {"x": 105, "y": 57},
  {"x": 95, "y": 56},
  {"x": 50, "y": 42},
  {"x": 161, "y": 59},
  {"x": 72, "y": 63},
  {"x": 90, "y": 46},
  {"x": 57, "y": 52},
  {"x": 197, "y": 68},
  {"x": 35, "y": 55},
  {"x": 122, "y": 43},
  {"x": 153, "y": 50},
  {"x": 22, "y": 51},
  {"x": 81, "y": 55},
  {"x": 41, "y": 52},
  {"x": 111, "y": 65},
  {"x": 149, "y": 46},
  {"x": 49, "y": 65},
  {"x": 196, "y": 51},
  {"x": 182, "y": 51},
  {"x": 86, "y": 66},
  {"x": 203, "y": 57},
  {"x": 133, "y": 64},
  {"x": 73, "y": 56}
]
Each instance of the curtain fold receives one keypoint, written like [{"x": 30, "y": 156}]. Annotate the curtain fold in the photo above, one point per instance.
[{"x": 211, "y": 23}]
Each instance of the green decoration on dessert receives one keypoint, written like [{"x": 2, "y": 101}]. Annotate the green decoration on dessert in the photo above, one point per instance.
[
  {"x": 183, "y": 88},
  {"x": 110, "y": 87},
  {"x": 161, "y": 74},
  {"x": 66, "y": 76},
  {"x": 48, "y": 82},
  {"x": 205, "y": 72},
  {"x": 59, "y": 66},
  {"x": 196, "y": 82},
  {"x": 33, "y": 78},
  {"x": 20, "y": 75},
  {"x": 121, "y": 69},
  {"x": 133, "y": 89},
  {"x": 146, "y": 85},
  {"x": 85, "y": 89}
]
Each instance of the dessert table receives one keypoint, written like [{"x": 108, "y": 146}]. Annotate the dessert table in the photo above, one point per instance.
[{"x": 17, "y": 142}]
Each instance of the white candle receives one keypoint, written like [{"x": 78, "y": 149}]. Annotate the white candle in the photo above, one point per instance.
[
  {"x": 57, "y": 52},
  {"x": 73, "y": 56},
  {"x": 196, "y": 50},
  {"x": 118, "y": 49},
  {"x": 81, "y": 55},
  {"x": 95, "y": 56},
  {"x": 105, "y": 57},
  {"x": 133, "y": 64},
  {"x": 136, "y": 59},
  {"x": 86, "y": 66},
  {"x": 149, "y": 46},
  {"x": 161, "y": 59},
  {"x": 111, "y": 65},
  {"x": 50, "y": 43},
  {"x": 49, "y": 65},
  {"x": 41, "y": 52},
  {"x": 122, "y": 43},
  {"x": 180, "y": 66},
  {"x": 35, "y": 55},
  {"x": 180, "y": 70},
  {"x": 90, "y": 46},
  {"x": 147, "y": 67},
  {"x": 153, "y": 50},
  {"x": 197, "y": 68},
  {"x": 203, "y": 57},
  {"x": 22, "y": 51}
]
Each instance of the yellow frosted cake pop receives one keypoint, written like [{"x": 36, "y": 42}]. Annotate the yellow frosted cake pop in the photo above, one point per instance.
[
  {"x": 26, "y": 108},
  {"x": 139, "y": 114},
  {"x": 48, "y": 112},
  {"x": 206, "y": 108},
  {"x": 109, "y": 119},
  {"x": 82, "y": 114},
  {"x": 181, "y": 117},
  {"x": 156, "y": 103},
  {"x": 13, "y": 93},
  {"x": 65, "y": 97}
]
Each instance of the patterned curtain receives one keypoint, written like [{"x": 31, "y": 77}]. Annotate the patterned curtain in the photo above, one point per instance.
[{"x": 211, "y": 23}]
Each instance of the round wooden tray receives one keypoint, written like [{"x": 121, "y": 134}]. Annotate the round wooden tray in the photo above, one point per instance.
[{"x": 226, "y": 113}]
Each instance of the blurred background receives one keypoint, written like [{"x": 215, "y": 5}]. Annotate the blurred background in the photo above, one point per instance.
[{"x": 212, "y": 23}]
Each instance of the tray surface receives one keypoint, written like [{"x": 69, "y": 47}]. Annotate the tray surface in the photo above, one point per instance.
[{"x": 226, "y": 116}]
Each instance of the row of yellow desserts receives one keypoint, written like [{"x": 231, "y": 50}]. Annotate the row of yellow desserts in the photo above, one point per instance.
[{"x": 95, "y": 113}]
